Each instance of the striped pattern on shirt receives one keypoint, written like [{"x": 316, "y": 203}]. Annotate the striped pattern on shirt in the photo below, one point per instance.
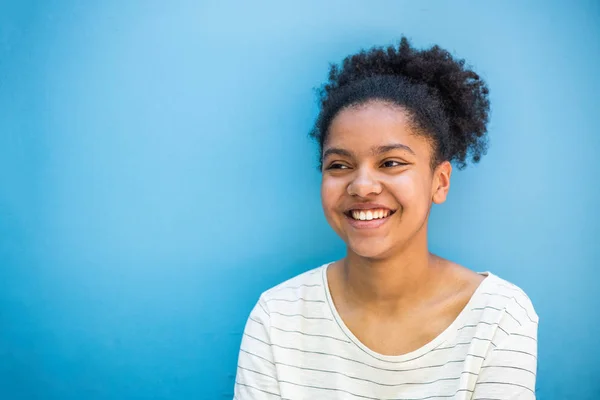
[{"x": 295, "y": 346}]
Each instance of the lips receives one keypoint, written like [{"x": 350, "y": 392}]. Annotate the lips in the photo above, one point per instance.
[{"x": 368, "y": 216}]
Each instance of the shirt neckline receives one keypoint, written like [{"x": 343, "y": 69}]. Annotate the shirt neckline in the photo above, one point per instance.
[{"x": 434, "y": 343}]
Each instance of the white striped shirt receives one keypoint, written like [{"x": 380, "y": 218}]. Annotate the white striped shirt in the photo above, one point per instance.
[{"x": 296, "y": 346}]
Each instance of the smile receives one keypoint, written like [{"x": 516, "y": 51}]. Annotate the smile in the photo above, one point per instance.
[
  {"x": 368, "y": 215},
  {"x": 368, "y": 218}
]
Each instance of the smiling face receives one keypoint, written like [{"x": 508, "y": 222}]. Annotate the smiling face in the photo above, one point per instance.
[{"x": 378, "y": 185}]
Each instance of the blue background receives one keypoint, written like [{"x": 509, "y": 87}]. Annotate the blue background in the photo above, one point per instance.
[{"x": 156, "y": 176}]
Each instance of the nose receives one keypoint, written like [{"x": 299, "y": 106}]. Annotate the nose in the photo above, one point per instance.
[{"x": 364, "y": 184}]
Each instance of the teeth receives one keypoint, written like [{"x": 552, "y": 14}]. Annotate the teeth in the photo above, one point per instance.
[{"x": 369, "y": 215}]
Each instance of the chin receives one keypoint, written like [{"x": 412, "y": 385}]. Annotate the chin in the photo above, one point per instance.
[{"x": 371, "y": 249}]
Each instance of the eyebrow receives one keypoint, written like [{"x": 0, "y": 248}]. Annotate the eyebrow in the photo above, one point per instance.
[
  {"x": 375, "y": 150},
  {"x": 390, "y": 147},
  {"x": 338, "y": 151}
]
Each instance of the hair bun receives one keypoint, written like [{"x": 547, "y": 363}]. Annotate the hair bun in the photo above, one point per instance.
[{"x": 462, "y": 93}]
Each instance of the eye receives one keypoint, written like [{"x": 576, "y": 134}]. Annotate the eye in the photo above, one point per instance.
[
  {"x": 337, "y": 165},
  {"x": 392, "y": 163}
]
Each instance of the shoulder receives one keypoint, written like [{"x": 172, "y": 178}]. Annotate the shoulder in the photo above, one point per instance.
[
  {"x": 507, "y": 300},
  {"x": 305, "y": 282},
  {"x": 294, "y": 294},
  {"x": 290, "y": 304}
]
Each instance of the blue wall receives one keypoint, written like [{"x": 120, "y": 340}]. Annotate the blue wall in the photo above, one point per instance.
[{"x": 156, "y": 176}]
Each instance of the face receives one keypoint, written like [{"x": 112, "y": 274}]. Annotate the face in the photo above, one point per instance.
[{"x": 377, "y": 182}]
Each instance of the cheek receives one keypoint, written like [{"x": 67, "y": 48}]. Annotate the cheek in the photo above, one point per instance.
[
  {"x": 331, "y": 192},
  {"x": 410, "y": 191}
]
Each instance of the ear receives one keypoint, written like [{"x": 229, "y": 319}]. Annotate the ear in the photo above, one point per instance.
[{"x": 441, "y": 182}]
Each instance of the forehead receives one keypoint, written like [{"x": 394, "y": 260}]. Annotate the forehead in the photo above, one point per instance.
[{"x": 371, "y": 124}]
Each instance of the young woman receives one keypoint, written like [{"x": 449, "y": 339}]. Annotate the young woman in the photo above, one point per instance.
[{"x": 391, "y": 320}]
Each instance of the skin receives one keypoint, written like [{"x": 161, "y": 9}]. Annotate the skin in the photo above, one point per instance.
[{"x": 391, "y": 292}]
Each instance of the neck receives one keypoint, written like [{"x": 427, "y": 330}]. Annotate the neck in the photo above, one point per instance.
[{"x": 393, "y": 282}]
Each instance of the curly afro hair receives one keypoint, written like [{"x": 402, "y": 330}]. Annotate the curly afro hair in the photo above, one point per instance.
[{"x": 445, "y": 101}]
